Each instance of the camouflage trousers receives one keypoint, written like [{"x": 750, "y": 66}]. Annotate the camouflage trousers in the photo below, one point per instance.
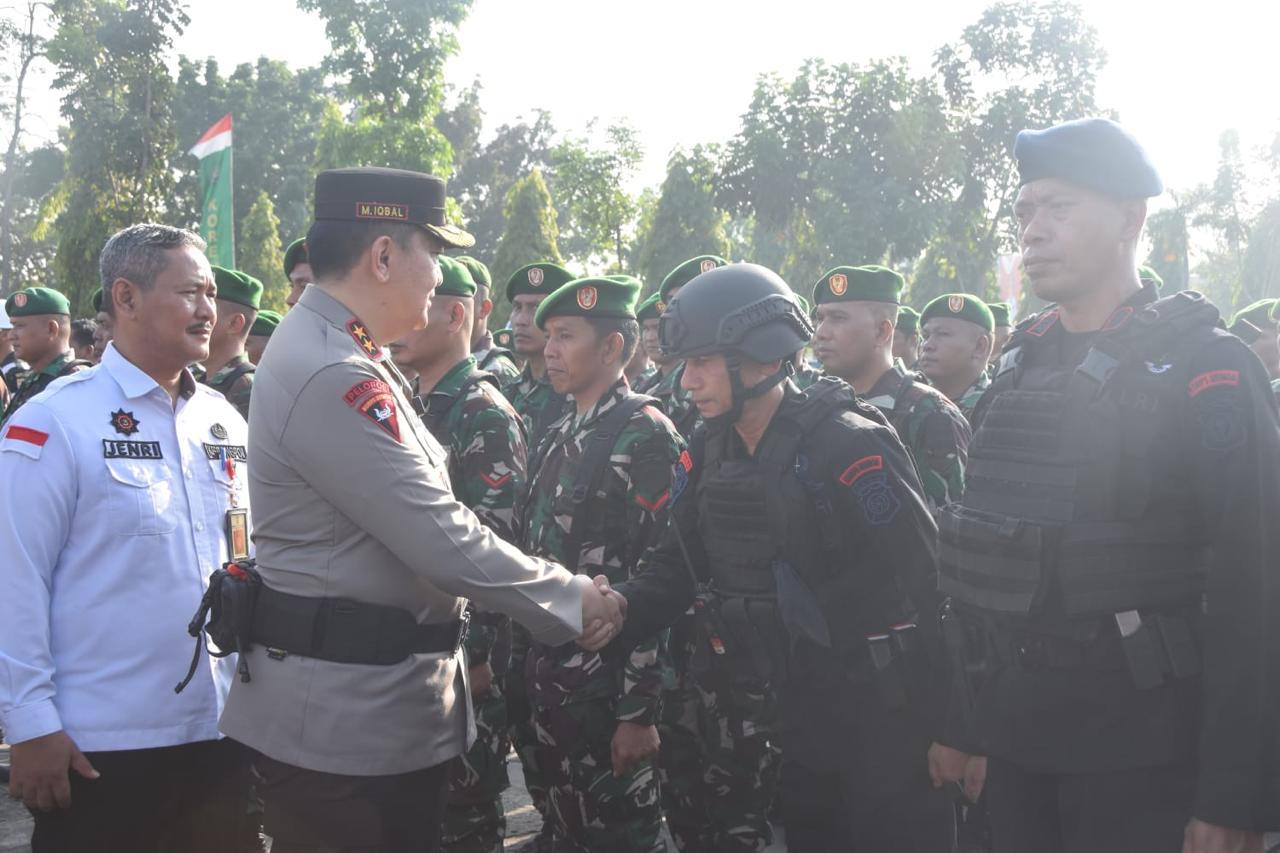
[
  {"x": 474, "y": 821},
  {"x": 524, "y": 736},
  {"x": 721, "y": 755},
  {"x": 592, "y": 810}
]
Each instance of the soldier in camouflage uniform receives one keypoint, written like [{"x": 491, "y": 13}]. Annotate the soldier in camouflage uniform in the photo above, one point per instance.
[
  {"x": 857, "y": 310},
  {"x": 41, "y": 335},
  {"x": 595, "y": 715},
  {"x": 648, "y": 314},
  {"x": 958, "y": 331},
  {"x": 539, "y": 406},
  {"x": 228, "y": 368},
  {"x": 490, "y": 357},
  {"x": 906, "y": 337},
  {"x": 465, "y": 411}
]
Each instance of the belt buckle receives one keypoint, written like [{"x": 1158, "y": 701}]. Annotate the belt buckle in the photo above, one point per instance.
[{"x": 464, "y": 627}]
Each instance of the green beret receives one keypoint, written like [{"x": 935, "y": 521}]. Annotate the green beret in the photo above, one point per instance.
[
  {"x": 687, "y": 272},
  {"x": 265, "y": 323},
  {"x": 34, "y": 301},
  {"x": 479, "y": 272},
  {"x": 457, "y": 280},
  {"x": 908, "y": 320},
  {"x": 502, "y": 338},
  {"x": 651, "y": 308},
  {"x": 235, "y": 286},
  {"x": 999, "y": 312},
  {"x": 295, "y": 254},
  {"x": 1147, "y": 274},
  {"x": 537, "y": 280},
  {"x": 97, "y": 301},
  {"x": 1258, "y": 314},
  {"x": 962, "y": 306},
  {"x": 1093, "y": 152},
  {"x": 602, "y": 296},
  {"x": 858, "y": 284}
]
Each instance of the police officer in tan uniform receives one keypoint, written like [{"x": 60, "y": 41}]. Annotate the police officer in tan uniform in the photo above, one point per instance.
[{"x": 356, "y": 699}]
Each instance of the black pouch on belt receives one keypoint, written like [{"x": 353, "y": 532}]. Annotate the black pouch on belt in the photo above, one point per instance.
[{"x": 229, "y": 605}]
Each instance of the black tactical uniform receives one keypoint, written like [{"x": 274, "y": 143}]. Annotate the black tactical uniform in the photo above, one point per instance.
[
  {"x": 1113, "y": 569},
  {"x": 815, "y": 560}
]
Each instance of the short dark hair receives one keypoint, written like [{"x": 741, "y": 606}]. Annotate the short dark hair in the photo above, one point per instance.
[
  {"x": 137, "y": 254},
  {"x": 82, "y": 332},
  {"x": 334, "y": 247},
  {"x": 628, "y": 328}
]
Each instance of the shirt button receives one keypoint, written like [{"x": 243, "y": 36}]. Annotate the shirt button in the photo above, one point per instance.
[
  {"x": 187, "y": 471},
  {"x": 199, "y": 525}
]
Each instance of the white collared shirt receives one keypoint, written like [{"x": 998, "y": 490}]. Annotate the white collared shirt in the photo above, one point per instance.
[{"x": 112, "y": 517}]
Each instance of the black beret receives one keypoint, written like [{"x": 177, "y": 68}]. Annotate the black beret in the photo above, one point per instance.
[
  {"x": 1092, "y": 152},
  {"x": 371, "y": 193}
]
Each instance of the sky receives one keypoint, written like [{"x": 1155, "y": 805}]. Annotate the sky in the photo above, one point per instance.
[{"x": 682, "y": 71}]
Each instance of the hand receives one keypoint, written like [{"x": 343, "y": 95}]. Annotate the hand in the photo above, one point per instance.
[
  {"x": 481, "y": 678},
  {"x": 975, "y": 776},
  {"x": 632, "y": 744},
  {"x": 39, "y": 772},
  {"x": 602, "y": 615},
  {"x": 1201, "y": 837},
  {"x": 602, "y": 584},
  {"x": 946, "y": 764}
]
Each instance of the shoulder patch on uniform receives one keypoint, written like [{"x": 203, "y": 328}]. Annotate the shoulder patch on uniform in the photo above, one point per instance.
[
  {"x": 1212, "y": 379},
  {"x": 364, "y": 387},
  {"x": 655, "y": 505},
  {"x": 861, "y": 468},
  {"x": 879, "y": 503},
  {"x": 376, "y": 402},
  {"x": 19, "y": 439},
  {"x": 495, "y": 482}
]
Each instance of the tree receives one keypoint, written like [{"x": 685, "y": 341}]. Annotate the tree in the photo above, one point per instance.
[
  {"x": 843, "y": 164},
  {"x": 34, "y": 203},
  {"x": 261, "y": 254},
  {"x": 483, "y": 181},
  {"x": 1222, "y": 209},
  {"x": 1262, "y": 257},
  {"x": 117, "y": 97},
  {"x": 31, "y": 48},
  {"x": 590, "y": 184},
  {"x": 530, "y": 237},
  {"x": 685, "y": 220},
  {"x": 391, "y": 53},
  {"x": 1020, "y": 65},
  {"x": 461, "y": 124},
  {"x": 1170, "y": 248}
]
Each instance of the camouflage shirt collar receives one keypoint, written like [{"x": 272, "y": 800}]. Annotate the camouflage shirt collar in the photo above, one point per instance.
[
  {"x": 239, "y": 361},
  {"x": 607, "y": 401},
  {"x": 55, "y": 367},
  {"x": 451, "y": 383}
]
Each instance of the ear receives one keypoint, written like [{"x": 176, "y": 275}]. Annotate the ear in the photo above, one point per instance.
[
  {"x": 483, "y": 310},
  {"x": 884, "y": 333},
  {"x": 457, "y": 316},
  {"x": 238, "y": 322},
  {"x": 982, "y": 349},
  {"x": 612, "y": 350},
  {"x": 125, "y": 296},
  {"x": 378, "y": 258}
]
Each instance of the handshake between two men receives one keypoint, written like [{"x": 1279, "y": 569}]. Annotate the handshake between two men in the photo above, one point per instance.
[{"x": 603, "y": 613}]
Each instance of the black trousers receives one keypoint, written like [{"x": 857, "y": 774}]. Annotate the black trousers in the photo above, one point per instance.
[
  {"x": 312, "y": 812},
  {"x": 191, "y": 798},
  {"x": 1129, "y": 811}
]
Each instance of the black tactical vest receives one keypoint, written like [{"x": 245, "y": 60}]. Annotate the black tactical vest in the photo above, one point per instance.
[{"x": 1071, "y": 492}]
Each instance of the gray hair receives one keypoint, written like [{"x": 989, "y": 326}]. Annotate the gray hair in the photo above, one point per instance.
[{"x": 137, "y": 254}]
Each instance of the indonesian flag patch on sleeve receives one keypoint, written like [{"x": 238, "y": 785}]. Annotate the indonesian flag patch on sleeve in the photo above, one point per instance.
[{"x": 25, "y": 440}]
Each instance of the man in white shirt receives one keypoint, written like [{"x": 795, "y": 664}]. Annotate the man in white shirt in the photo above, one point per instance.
[{"x": 120, "y": 485}]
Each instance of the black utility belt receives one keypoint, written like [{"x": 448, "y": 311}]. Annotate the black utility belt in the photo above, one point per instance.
[{"x": 344, "y": 631}]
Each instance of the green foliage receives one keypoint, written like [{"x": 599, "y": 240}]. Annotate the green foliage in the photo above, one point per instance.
[
  {"x": 260, "y": 253},
  {"x": 683, "y": 221},
  {"x": 1262, "y": 257},
  {"x": 118, "y": 99},
  {"x": 484, "y": 179},
  {"x": 391, "y": 53},
  {"x": 843, "y": 164},
  {"x": 531, "y": 236},
  {"x": 591, "y": 186},
  {"x": 36, "y": 176},
  {"x": 1167, "y": 230},
  {"x": 461, "y": 124},
  {"x": 398, "y": 143},
  {"x": 1221, "y": 208},
  {"x": 1020, "y": 65}
]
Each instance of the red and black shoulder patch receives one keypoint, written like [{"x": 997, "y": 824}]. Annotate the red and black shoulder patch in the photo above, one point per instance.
[
  {"x": 1213, "y": 379},
  {"x": 373, "y": 399},
  {"x": 859, "y": 469}
]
